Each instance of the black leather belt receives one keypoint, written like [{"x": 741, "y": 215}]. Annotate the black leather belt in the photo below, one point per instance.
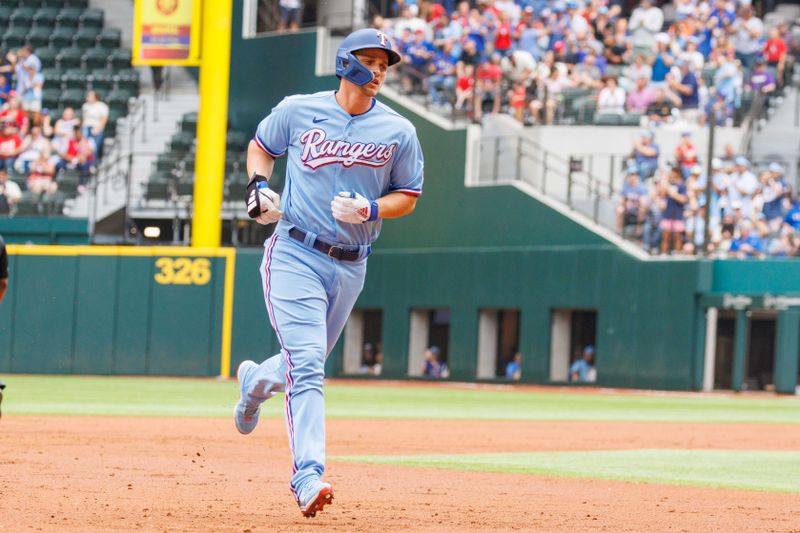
[{"x": 342, "y": 253}]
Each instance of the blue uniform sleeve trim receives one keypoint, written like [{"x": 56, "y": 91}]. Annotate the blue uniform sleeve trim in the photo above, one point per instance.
[
  {"x": 264, "y": 147},
  {"x": 412, "y": 192}
]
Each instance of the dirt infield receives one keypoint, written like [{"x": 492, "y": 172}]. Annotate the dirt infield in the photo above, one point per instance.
[{"x": 160, "y": 474}]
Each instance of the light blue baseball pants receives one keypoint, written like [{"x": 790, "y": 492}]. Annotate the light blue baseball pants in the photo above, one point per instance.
[{"x": 309, "y": 297}]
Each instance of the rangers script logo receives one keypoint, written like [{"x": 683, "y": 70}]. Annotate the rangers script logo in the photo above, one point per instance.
[{"x": 319, "y": 151}]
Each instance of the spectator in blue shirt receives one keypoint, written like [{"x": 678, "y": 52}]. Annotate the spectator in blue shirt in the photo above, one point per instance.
[
  {"x": 514, "y": 367},
  {"x": 583, "y": 370},
  {"x": 686, "y": 88},
  {"x": 747, "y": 244},
  {"x": 672, "y": 223},
  {"x": 791, "y": 222},
  {"x": 645, "y": 153}
]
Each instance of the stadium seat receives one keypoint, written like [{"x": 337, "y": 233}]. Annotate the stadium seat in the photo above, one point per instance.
[
  {"x": 82, "y": 4},
  {"x": 75, "y": 78},
  {"x": 181, "y": 142},
  {"x": 72, "y": 98},
  {"x": 92, "y": 18},
  {"x": 236, "y": 141},
  {"x": 23, "y": 17},
  {"x": 185, "y": 187},
  {"x": 235, "y": 190},
  {"x": 5, "y": 15},
  {"x": 189, "y": 122},
  {"x": 128, "y": 79},
  {"x": 111, "y": 125},
  {"x": 167, "y": 162},
  {"x": 45, "y": 17},
  {"x": 119, "y": 99},
  {"x": 95, "y": 58},
  {"x": 111, "y": 38},
  {"x": 9, "y": 4},
  {"x": 29, "y": 204},
  {"x": 631, "y": 119},
  {"x": 52, "y": 77},
  {"x": 14, "y": 37},
  {"x": 157, "y": 190},
  {"x": 51, "y": 96},
  {"x": 70, "y": 58},
  {"x": 120, "y": 58},
  {"x": 47, "y": 56},
  {"x": 69, "y": 17},
  {"x": 38, "y": 37},
  {"x": 607, "y": 119},
  {"x": 101, "y": 85},
  {"x": 68, "y": 183},
  {"x": 62, "y": 37},
  {"x": 86, "y": 37},
  {"x": 58, "y": 4}
]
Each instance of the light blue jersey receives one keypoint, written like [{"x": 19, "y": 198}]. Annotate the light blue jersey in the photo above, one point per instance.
[{"x": 330, "y": 151}]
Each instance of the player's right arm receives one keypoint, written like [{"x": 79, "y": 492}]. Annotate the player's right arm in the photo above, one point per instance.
[{"x": 270, "y": 141}]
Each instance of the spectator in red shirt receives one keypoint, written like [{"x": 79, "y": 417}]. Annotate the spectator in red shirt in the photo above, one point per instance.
[
  {"x": 464, "y": 86},
  {"x": 502, "y": 40},
  {"x": 10, "y": 146},
  {"x": 12, "y": 112},
  {"x": 775, "y": 52},
  {"x": 686, "y": 154},
  {"x": 490, "y": 76}
]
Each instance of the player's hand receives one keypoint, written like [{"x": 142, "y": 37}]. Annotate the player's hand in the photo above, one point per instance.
[
  {"x": 352, "y": 208},
  {"x": 263, "y": 204}
]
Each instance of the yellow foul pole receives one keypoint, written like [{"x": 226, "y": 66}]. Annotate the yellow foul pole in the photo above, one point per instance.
[{"x": 212, "y": 122}]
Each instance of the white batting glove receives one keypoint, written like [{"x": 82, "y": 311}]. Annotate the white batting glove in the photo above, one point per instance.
[
  {"x": 352, "y": 208},
  {"x": 263, "y": 204}
]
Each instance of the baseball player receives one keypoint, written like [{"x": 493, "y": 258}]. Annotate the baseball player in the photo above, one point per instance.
[{"x": 351, "y": 162}]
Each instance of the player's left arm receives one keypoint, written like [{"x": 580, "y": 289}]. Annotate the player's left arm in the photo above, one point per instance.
[{"x": 396, "y": 205}]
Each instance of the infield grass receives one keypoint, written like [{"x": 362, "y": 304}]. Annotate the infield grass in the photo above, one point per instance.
[
  {"x": 134, "y": 396},
  {"x": 774, "y": 471}
]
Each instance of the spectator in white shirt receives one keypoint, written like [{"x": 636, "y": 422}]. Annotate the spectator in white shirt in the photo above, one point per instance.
[
  {"x": 95, "y": 118},
  {"x": 646, "y": 21},
  {"x": 611, "y": 99}
]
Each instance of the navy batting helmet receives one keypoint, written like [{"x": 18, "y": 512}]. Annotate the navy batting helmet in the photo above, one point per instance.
[{"x": 350, "y": 68}]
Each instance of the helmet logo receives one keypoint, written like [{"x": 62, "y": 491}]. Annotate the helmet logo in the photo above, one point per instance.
[{"x": 383, "y": 37}]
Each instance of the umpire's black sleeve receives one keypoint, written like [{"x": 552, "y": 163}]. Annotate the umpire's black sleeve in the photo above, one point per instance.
[{"x": 3, "y": 260}]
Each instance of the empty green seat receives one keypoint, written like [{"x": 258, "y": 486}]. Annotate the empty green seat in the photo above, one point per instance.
[
  {"x": 167, "y": 162},
  {"x": 57, "y": 4},
  {"x": 128, "y": 80},
  {"x": 82, "y": 4},
  {"x": 92, "y": 18},
  {"x": 70, "y": 58},
  {"x": 51, "y": 96},
  {"x": 95, "y": 58},
  {"x": 14, "y": 37},
  {"x": 72, "y": 98},
  {"x": 86, "y": 37},
  {"x": 23, "y": 16},
  {"x": 181, "y": 142},
  {"x": 47, "y": 55},
  {"x": 607, "y": 119},
  {"x": 5, "y": 15},
  {"x": 75, "y": 78},
  {"x": 189, "y": 122},
  {"x": 52, "y": 76},
  {"x": 38, "y": 37},
  {"x": 631, "y": 119},
  {"x": 111, "y": 38},
  {"x": 236, "y": 141},
  {"x": 69, "y": 17},
  {"x": 9, "y": 4},
  {"x": 120, "y": 58},
  {"x": 119, "y": 100},
  {"x": 45, "y": 17},
  {"x": 62, "y": 37}
]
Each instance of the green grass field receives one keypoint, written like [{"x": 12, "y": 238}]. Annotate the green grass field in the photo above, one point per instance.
[
  {"x": 71, "y": 395},
  {"x": 743, "y": 469}
]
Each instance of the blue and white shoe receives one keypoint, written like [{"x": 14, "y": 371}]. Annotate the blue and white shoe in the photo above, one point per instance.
[
  {"x": 245, "y": 414},
  {"x": 315, "y": 497}
]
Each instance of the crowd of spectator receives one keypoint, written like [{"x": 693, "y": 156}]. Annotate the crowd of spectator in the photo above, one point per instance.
[
  {"x": 525, "y": 56},
  {"x": 36, "y": 144},
  {"x": 753, "y": 212}
]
